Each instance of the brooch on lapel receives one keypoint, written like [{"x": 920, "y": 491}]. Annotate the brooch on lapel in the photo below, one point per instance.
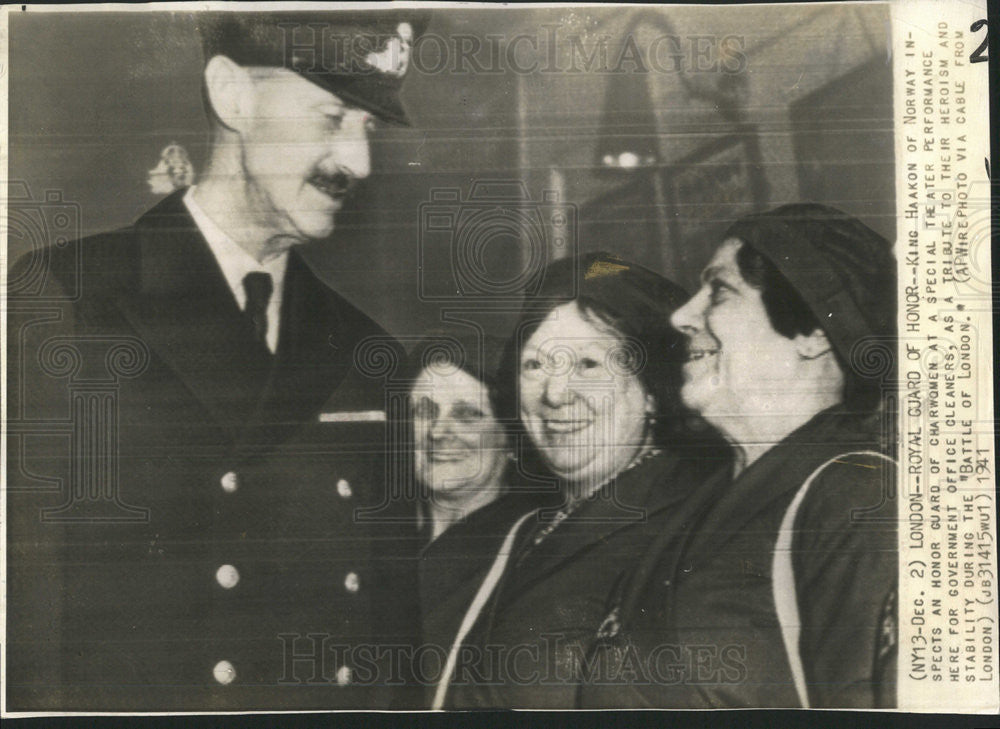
[{"x": 611, "y": 625}]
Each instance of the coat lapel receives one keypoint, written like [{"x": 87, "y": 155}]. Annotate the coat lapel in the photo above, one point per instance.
[
  {"x": 680, "y": 524},
  {"x": 183, "y": 309},
  {"x": 733, "y": 504},
  {"x": 319, "y": 331},
  {"x": 648, "y": 487},
  {"x": 778, "y": 473}
]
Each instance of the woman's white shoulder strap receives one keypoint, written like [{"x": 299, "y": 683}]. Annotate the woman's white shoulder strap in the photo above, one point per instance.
[
  {"x": 783, "y": 578},
  {"x": 475, "y": 608}
]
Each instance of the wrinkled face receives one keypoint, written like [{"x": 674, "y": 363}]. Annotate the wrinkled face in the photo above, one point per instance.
[
  {"x": 581, "y": 402},
  {"x": 458, "y": 444},
  {"x": 736, "y": 362},
  {"x": 302, "y": 151}
]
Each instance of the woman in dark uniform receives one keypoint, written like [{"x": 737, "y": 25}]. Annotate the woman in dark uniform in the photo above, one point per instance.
[
  {"x": 597, "y": 366},
  {"x": 465, "y": 478},
  {"x": 785, "y": 592}
]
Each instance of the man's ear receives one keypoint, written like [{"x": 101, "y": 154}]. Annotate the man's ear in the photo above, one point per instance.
[
  {"x": 811, "y": 346},
  {"x": 230, "y": 91}
]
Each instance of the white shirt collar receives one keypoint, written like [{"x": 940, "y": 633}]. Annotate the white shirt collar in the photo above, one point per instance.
[{"x": 236, "y": 263}]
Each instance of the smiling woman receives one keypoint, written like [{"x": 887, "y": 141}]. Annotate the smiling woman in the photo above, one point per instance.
[
  {"x": 740, "y": 363},
  {"x": 790, "y": 577},
  {"x": 461, "y": 453},
  {"x": 592, "y": 375},
  {"x": 582, "y": 401},
  {"x": 467, "y": 488}
]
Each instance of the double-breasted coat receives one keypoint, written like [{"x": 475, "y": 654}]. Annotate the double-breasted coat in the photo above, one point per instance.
[{"x": 192, "y": 521}]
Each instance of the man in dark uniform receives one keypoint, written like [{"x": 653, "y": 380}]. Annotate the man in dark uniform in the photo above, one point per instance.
[{"x": 198, "y": 434}]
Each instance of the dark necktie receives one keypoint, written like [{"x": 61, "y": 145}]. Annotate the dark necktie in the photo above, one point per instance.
[{"x": 258, "y": 287}]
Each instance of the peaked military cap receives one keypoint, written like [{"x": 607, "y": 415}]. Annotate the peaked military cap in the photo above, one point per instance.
[{"x": 360, "y": 56}]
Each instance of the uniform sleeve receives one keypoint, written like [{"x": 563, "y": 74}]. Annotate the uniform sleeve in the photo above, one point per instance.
[{"x": 846, "y": 570}]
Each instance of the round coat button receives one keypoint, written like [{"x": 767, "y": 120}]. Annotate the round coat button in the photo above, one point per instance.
[
  {"x": 343, "y": 676},
  {"x": 352, "y": 583},
  {"x": 224, "y": 672},
  {"x": 344, "y": 489},
  {"x": 227, "y": 576},
  {"x": 230, "y": 482}
]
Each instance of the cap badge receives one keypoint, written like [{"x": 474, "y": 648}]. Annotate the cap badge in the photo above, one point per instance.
[
  {"x": 395, "y": 57},
  {"x": 603, "y": 268}
]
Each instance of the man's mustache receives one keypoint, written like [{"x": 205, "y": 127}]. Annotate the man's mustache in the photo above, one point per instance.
[{"x": 336, "y": 184}]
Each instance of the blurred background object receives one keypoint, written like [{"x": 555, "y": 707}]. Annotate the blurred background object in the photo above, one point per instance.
[
  {"x": 641, "y": 130},
  {"x": 173, "y": 171}
]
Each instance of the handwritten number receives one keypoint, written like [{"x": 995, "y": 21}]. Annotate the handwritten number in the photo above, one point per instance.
[{"x": 977, "y": 55}]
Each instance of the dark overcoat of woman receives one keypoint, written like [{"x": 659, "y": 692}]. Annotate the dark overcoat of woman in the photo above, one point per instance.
[
  {"x": 597, "y": 370},
  {"x": 785, "y": 592}
]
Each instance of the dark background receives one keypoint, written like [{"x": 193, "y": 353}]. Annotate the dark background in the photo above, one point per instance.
[{"x": 95, "y": 97}]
